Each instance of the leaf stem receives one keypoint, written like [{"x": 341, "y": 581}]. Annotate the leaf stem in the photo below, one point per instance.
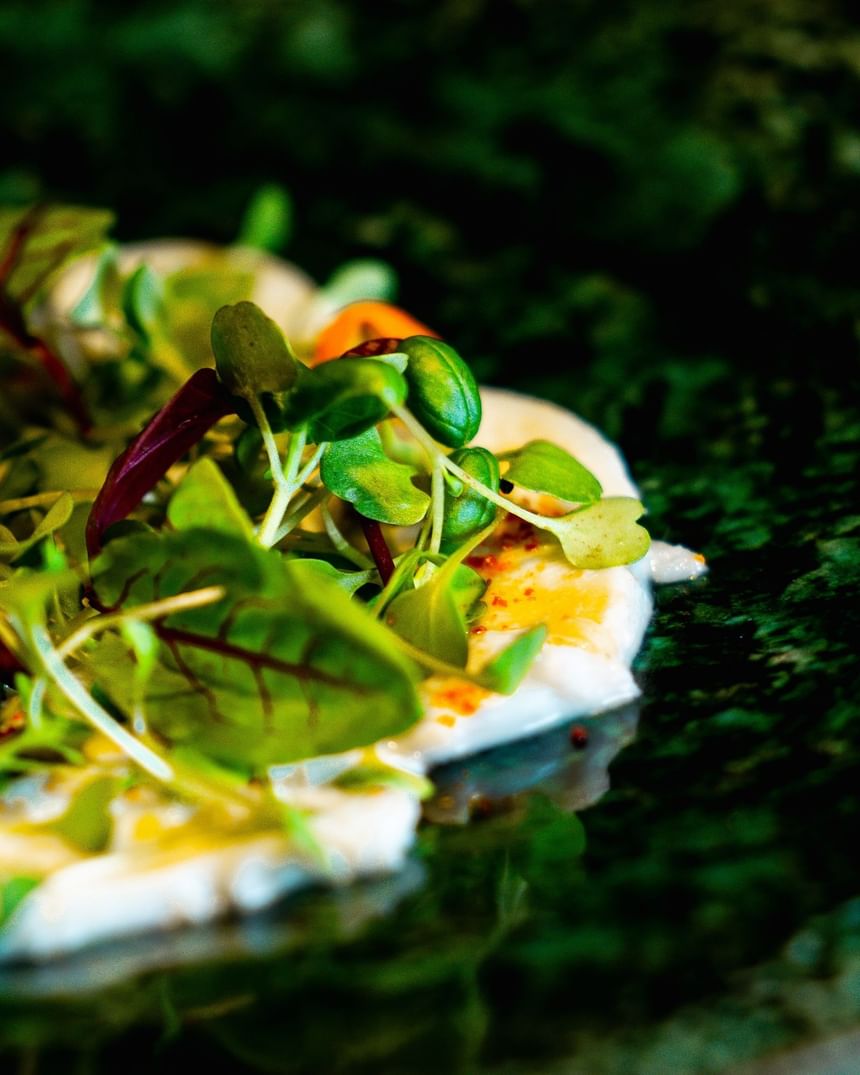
[
  {"x": 301, "y": 510},
  {"x": 307, "y": 470},
  {"x": 378, "y": 546},
  {"x": 437, "y": 492},
  {"x": 279, "y": 503},
  {"x": 96, "y": 715},
  {"x": 39, "y": 500},
  {"x": 542, "y": 522},
  {"x": 347, "y": 551},
  {"x": 298, "y": 440}
]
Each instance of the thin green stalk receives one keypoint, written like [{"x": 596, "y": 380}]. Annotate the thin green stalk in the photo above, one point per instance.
[
  {"x": 152, "y": 610},
  {"x": 347, "y": 551},
  {"x": 307, "y": 470},
  {"x": 95, "y": 714},
  {"x": 437, "y": 492},
  {"x": 40, "y": 500},
  {"x": 404, "y": 566},
  {"x": 298, "y": 440},
  {"x": 542, "y": 522},
  {"x": 281, "y": 497},
  {"x": 301, "y": 511}
]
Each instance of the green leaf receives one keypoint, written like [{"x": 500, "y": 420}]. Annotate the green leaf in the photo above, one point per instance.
[
  {"x": 56, "y": 517},
  {"x": 94, "y": 307},
  {"x": 506, "y": 670},
  {"x": 359, "y": 471},
  {"x": 546, "y": 468},
  {"x": 52, "y": 236},
  {"x": 204, "y": 497},
  {"x": 604, "y": 534},
  {"x": 87, "y": 823},
  {"x": 342, "y": 399},
  {"x": 363, "y": 278},
  {"x": 143, "y": 642},
  {"x": 192, "y": 297},
  {"x": 349, "y": 581},
  {"x": 469, "y": 511},
  {"x": 13, "y": 892},
  {"x": 143, "y": 300},
  {"x": 268, "y": 219},
  {"x": 443, "y": 392},
  {"x": 374, "y": 773},
  {"x": 284, "y": 667},
  {"x": 433, "y": 616},
  {"x": 251, "y": 354}
]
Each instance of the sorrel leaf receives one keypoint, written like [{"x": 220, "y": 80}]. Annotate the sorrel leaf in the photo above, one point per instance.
[{"x": 284, "y": 667}]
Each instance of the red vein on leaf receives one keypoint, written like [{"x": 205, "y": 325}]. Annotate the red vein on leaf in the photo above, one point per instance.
[{"x": 179, "y": 636}]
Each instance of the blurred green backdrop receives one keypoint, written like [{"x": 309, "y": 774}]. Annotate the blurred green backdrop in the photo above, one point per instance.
[{"x": 662, "y": 189}]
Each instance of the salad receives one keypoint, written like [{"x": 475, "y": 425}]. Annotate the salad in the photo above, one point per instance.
[{"x": 238, "y": 567}]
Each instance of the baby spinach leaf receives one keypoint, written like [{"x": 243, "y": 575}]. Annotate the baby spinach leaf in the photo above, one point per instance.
[
  {"x": 251, "y": 354},
  {"x": 284, "y": 667},
  {"x": 603, "y": 534},
  {"x": 546, "y": 468},
  {"x": 342, "y": 399},
  {"x": 179, "y": 425},
  {"x": 358, "y": 471}
]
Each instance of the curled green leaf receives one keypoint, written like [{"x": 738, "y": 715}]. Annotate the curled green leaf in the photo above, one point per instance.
[
  {"x": 359, "y": 471},
  {"x": 443, "y": 392},
  {"x": 143, "y": 300},
  {"x": 469, "y": 511},
  {"x": 340, "y": 400}
]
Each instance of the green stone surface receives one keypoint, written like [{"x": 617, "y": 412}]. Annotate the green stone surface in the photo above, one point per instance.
[{"x": 702, "y": 914}]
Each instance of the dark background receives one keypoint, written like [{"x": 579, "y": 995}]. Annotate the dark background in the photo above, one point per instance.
[
  {"x": 649, "y": 212},
  {"x": 663, "y": 189}
]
